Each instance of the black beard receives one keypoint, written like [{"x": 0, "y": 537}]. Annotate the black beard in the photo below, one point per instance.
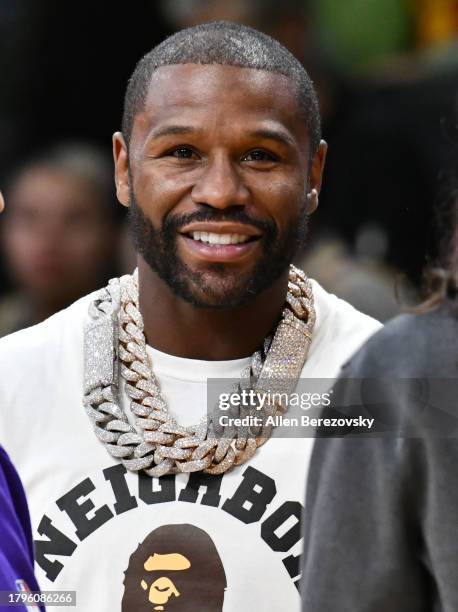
[{"x": 158, "y": 249}]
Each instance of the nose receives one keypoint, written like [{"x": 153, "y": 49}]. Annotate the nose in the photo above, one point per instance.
[{"x": 220, "y": 185}]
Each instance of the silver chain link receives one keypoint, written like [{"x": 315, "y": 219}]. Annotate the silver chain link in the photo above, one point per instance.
[{"x": 114, "y": 343}]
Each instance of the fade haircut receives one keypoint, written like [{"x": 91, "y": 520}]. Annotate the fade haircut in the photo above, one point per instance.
[{"x": 228, "y": 44}]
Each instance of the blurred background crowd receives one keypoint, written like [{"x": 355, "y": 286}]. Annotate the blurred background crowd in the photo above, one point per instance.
[{"x": 386, "y": 72}]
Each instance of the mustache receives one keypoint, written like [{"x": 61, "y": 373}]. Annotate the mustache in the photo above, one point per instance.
[
  {"x": 139, "y": 223},
  {"x": 175, "y": 222}
]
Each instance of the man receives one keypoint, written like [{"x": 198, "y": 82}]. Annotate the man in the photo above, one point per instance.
[
  {"x": 220, "y": 162},
  {"x": 58, "y": 233}
]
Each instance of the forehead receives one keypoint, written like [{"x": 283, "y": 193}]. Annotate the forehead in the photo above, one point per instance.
[{"x": 220, "y": 93}]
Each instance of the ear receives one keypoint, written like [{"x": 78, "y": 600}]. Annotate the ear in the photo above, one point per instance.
[
  {"x": 316, "y": 176},
  {"x": 121, "y": 162},
  {"x": 2, "y": 202}
]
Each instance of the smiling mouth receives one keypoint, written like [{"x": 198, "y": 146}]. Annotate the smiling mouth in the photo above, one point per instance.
[
  {"x": 219, "y": 248},
  {"x": 214, "y": 239},
  {"x": 220, "y": 242}
]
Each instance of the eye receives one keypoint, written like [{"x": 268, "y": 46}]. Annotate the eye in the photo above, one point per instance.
[
  {"x": 259, "y": 155},
  {"x": 182, "y": 153}
]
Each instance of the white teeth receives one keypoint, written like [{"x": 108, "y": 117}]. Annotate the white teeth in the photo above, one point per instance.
[{"x": 212, "y": 238}]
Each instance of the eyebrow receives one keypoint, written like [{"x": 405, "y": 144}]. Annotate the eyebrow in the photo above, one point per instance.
[
  {"x": 277, "y": 135},
  {"x": 171, "y": 130},
  {"x": 268, "y": 133}
]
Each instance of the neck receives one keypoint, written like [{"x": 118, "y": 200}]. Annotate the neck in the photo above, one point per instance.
[{"x": 174, "y": 326}]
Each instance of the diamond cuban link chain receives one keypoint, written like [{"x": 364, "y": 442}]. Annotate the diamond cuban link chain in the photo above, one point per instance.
[{"x": 114, "y": 343}]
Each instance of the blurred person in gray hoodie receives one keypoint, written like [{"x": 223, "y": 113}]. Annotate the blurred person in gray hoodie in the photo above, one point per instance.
[{"x": 381, "y": 522}]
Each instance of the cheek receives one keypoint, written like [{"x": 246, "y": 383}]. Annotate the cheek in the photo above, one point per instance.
[
  {"x": 158, "y": 191},
  {"x": 281, "y": 199}
]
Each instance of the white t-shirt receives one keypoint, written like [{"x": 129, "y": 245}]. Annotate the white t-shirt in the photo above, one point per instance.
[{"x": 202, "y": 537}]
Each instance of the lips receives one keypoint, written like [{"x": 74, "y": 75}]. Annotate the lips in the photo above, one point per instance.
[
  {"x": 221, "y": 227},
  {"x": 219, "y": 242},
  {"x": 218, "y": 239}
]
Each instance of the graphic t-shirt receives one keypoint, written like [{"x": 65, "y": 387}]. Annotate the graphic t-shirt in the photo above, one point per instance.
[{"x": 125, "y": 541}]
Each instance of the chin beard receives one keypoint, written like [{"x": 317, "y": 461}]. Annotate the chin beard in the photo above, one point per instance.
[{"x": 219, "y": 286}]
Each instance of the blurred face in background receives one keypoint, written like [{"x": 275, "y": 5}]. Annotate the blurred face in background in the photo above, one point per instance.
[{"x": 58, "y": 236}]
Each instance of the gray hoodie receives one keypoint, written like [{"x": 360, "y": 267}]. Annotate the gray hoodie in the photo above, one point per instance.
[{"x": 381, "y": 518}]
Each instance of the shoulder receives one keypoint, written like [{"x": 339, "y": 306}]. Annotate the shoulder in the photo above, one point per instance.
[
  {"x": 333, "y": 311},
  {"x": 41, "y": 347},
  {"x": 339, "y": 326}
]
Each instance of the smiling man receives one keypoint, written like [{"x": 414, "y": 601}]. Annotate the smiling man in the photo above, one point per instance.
[{"x": 220, "y": 162}]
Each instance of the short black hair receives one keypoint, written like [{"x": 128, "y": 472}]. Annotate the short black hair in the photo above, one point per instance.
[{"x": 224, "y": 43}]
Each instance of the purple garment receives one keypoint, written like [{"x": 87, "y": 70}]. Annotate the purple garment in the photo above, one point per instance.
[{"x": 16, "y": 544}]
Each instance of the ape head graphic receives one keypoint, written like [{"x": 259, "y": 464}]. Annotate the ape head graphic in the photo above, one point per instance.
[{"x": 175, "y": 568}]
